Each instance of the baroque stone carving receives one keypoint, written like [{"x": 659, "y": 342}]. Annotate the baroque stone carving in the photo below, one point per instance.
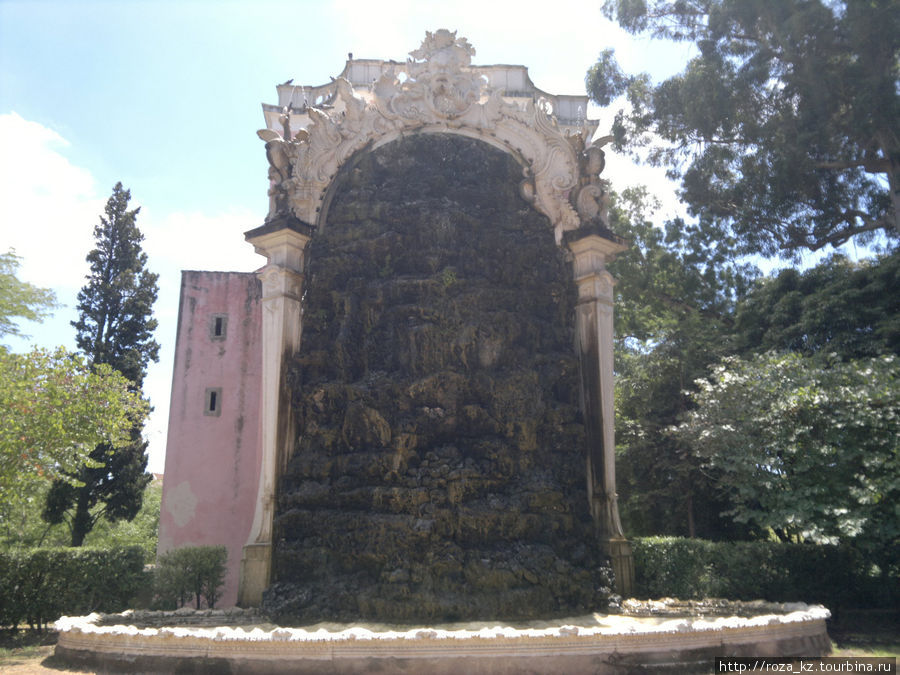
[
  {"x": 281, "y": 154},
  {"x": 591, "y": 198},
  {"x": 436, "y": 91}
]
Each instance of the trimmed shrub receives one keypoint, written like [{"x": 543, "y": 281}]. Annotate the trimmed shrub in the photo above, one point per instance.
[
  {"x": 40, "y": 585},
  {"x": 835, "y": 576},
  {"x": 196, "y": 572}
]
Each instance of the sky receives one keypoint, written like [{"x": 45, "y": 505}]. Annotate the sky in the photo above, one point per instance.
[{"x": 165, "y": 96}]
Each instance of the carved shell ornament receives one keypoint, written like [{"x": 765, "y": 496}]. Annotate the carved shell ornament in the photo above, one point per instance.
[{"x": 435, "y": 91}]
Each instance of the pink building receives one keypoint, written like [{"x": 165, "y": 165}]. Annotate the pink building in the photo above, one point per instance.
[{"x": 213, "y": 447}]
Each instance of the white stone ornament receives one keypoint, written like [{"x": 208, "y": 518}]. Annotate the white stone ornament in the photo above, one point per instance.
[{"x": 436, "y": 91}]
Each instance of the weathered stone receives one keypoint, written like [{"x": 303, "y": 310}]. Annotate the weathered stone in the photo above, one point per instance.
[{"x": 439, "y": 470}]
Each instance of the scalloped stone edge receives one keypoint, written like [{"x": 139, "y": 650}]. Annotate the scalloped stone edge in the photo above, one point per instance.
[{"x": 593, "y": 643}]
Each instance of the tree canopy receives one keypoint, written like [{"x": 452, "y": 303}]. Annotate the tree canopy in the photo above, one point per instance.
[
  {"x": 805, "y": 447},
  {"x": 19, "y": 299},
  {"x": 685, "y": 307},
  {"x": 783, "y": 127},
  {"x": 115, "y": 327},
  {"x": 54, "y": 410},
  {"x": 115, "y": 307},
  {"x": 850, "y": 309},
  {"x": 675, "y": 296}
]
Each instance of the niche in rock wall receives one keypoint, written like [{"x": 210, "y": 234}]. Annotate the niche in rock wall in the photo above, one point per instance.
[{"x": 438, "y": 472}]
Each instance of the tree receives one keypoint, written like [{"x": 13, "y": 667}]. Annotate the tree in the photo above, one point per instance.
[
  {"x": 782, "y": 128},
  {"x": 806, "y": 447},
  {"x": 675, "y": 294},
  {"x": 21, "y": 525},
  {"x": 19, "y": 298},
  {"x": 115, "y": 327},
  {"x": 851, "y": 309},
  {"x": 54, "y": 410},
  {"x": 141, "y": 531}
]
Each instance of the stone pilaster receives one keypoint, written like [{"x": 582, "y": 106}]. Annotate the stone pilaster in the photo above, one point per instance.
[
  {"x": 283, "y": 242},
  {"x": 594, "y": 344}
]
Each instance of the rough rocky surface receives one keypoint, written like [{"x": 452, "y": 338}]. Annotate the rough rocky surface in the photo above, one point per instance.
[{"x": 439, "y": 470}]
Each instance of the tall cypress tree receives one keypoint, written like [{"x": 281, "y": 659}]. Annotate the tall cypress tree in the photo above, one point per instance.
[{"x": 115, "y": 326}]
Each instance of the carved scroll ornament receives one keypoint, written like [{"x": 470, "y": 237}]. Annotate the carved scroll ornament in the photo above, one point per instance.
[{"x": 436, "y": 91}]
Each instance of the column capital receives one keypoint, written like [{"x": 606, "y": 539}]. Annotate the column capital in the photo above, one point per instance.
[
  {"x": 282, "y": 241},
  {"x": 593, "y": 251},
  {"x": 590, "y": 255}
]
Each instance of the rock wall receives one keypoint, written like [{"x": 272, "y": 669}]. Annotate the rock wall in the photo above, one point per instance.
[{"x": 439, "y": 468}]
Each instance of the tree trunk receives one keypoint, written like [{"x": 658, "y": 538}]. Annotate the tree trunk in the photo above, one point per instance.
[
  {"x": 81, "y": 520},
  {"x": 692, "y": 530},
  {"x": 890, "y": 148},
  {"x": 894, "y": 187}
]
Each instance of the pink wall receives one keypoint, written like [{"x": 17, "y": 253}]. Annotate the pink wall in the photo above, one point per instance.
[{"x": 213, "y": 446}]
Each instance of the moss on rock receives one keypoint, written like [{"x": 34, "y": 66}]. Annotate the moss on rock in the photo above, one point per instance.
[{"x": 439, "y": 471}]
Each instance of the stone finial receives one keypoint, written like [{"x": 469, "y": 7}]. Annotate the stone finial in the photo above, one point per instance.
[{"x": 442, "y": 49}]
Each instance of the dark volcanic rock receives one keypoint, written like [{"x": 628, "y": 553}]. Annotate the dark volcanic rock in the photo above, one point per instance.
[{"x": 439, "y": 470}]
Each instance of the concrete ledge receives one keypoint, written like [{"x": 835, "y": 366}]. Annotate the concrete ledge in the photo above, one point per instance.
[{"x": 588, "y": 644}]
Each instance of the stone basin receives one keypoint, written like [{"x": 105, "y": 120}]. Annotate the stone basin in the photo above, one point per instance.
[{"x": 665, "y": 636}]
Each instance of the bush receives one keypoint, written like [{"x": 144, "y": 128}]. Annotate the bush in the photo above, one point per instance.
[
  {"x": 196, "y": 572},
  {"x": 836, "y": 576},
  {"x": 40, "y": 585}
]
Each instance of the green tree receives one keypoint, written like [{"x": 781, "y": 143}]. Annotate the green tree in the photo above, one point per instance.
[
  {"x": 852, "y": 309},
  {"x": 115, "y": 327},
  {"x": 21, "y": 525},
  {"x": 19, "y": 299},
  {"x": 675, "y": 294},
  {"x": 54, "y": 410},
  {"x": 783, "y": 127},
  {"x": 806, "y": 447},
  {"x": 142, "y": 531}
]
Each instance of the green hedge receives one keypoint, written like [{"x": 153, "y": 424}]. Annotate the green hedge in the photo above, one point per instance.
[
  {"x": 196, "y": 572},
  {"x": 835, "y": 576},
  {"x": 38, "y": 586}
]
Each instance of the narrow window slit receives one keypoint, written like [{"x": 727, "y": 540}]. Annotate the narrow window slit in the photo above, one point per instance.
[{"x": 213, "y": 402}]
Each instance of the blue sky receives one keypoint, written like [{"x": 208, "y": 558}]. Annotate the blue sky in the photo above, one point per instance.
[{"x": 165, "y": 96}]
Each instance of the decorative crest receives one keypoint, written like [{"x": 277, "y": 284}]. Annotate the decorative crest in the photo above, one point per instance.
[
  {"x": 438, "y": 82},
  {"x": 436, "y": 91},
  {"x": 444, "y": 50}
]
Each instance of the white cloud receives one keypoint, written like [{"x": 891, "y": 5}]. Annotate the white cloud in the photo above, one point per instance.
[
  {"x": 196, "y": 240},
  {"x": 48, "y": 206},
  {"x": 48, "y": 209}
]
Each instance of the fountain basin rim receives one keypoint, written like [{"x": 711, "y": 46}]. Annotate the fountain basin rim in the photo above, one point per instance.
[
  {"x": 594, "y": 625},
  {"x": 574, "y": 645}
]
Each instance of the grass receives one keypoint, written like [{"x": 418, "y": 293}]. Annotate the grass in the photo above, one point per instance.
[
  {"x": 23, "y": 641},
  {"x": 865, "y": 633},
  {"x": 29, "y": 652},
  {"x": 875, "y": 649}
]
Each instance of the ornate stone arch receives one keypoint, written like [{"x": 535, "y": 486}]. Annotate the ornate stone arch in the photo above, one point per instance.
[{"x": 436, "y": 91}]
